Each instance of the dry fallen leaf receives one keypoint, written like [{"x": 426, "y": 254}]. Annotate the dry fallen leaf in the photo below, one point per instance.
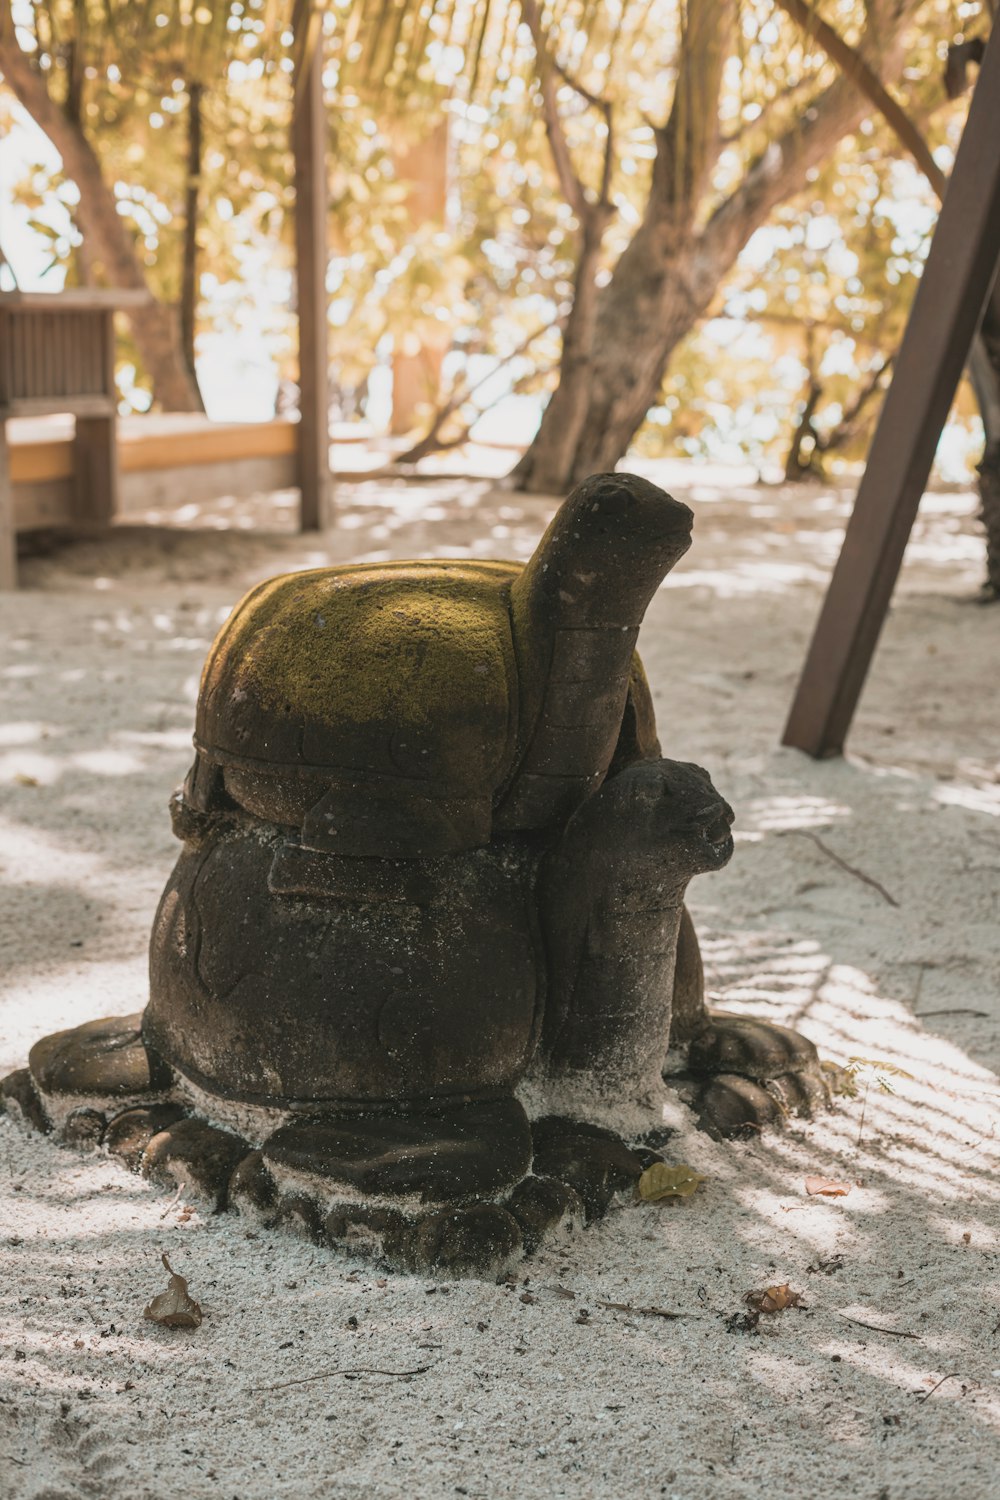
[
  {"x": 774, "y": 1299},
  {"x": 23, "y": 779},
  {"x": 660, "y": 1182},
  {"x": 174, "y": 1308},
  {"x": 825, "y": 1187}
]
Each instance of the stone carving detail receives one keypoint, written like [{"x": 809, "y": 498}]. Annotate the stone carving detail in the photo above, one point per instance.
[{"x": 426, "y": 935}]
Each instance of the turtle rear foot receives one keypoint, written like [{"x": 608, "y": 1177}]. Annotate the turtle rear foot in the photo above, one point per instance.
[{"x": 753, "y": 1075}]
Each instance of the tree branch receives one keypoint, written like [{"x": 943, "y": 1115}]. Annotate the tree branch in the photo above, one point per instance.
[
  {"x": 687, "y": 145},
  {"x": 854, "y": 68},
  {"x": 570, "y": 183},
  {"x": 456, "y": 399},
  {"x": 782, "y": 168}
]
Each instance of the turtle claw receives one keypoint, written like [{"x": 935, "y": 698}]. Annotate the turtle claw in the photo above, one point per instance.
[
  {"x": 759, "y": 1075},
  {"x": 591, "y": 1161},
  {"x": 192, "y": 1153},
  {"x": 20, "y": 1098}
]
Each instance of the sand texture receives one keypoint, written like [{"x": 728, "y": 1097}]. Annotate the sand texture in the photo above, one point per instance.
[{"x": 861, "y": 906}]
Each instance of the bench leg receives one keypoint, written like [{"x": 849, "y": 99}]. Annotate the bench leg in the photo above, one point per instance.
[
  {"x": 95, "y": 467},
  {"x": 8, "y": 537}
]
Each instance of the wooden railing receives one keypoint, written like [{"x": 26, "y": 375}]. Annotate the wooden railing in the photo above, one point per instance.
[{"x": 190, "y": 457}]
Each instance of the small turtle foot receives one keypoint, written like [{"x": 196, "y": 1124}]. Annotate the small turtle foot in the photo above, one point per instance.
[
  {"x": 753, "y": 1075},
  {"x": 105, "y": 1059},
  {"x": 430, "y": 1182},
  {"x": 483, "y": 1239}
]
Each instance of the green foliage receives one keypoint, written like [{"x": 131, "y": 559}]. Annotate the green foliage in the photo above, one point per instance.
[{"x": 818, "y": 300}]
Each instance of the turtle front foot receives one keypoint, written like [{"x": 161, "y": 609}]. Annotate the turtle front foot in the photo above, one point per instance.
[
  {"x": 458, "y": 1187},
  {"x": 753, "y": 1075}
]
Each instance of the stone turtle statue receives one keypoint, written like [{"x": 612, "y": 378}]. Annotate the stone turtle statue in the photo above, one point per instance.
[{"x": 426, "y": 936}]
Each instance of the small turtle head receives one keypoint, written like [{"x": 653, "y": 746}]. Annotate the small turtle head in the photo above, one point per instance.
[{"x": 655, "y": 824}]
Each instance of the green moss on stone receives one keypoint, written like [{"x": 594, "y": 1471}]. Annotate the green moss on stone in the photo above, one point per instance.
[{"x": 405, "y": 667}]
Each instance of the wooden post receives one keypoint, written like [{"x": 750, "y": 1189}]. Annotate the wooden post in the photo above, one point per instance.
[
  {"x": 95, "y": 456},
  {"x": 946, "y": 312},
  {"x": 8, "y": 536},
  {"x": 309, "y": 147}
]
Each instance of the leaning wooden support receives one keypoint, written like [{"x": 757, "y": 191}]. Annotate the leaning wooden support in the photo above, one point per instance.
[{"x": 946, "y": 312}]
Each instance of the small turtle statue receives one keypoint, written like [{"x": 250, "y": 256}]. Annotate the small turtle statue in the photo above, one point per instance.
[{"x": 426, "y": 936}]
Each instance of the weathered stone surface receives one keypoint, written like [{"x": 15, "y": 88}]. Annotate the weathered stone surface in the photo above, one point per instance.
[
  {"x": 105, "y": 1057},
  {"x": 542, "y": 1207},
  {"x": 20, "y": 1099},
  {"x": 252, "y": 932},
  {"x": 735, "y": 1106},
  {"x": 84, "y": 1127},
  {"x": 596, "y": 1163},
  {"x": 481, "y": 1240},
  {"x": 129, "y": 1133},
  {"x": 196, "y": 1154},
  {"x": 300, "y": 1214},
  {"x": 756, "y": 1049},
  {"x": 800, "y": 1093},
  {"x": 473, "y": 1152},
  {"x": 252, "y": 1189},
  {"x": 384, "y": 1232}
]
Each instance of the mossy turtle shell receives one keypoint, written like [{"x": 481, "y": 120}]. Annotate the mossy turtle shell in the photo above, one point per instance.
[
  {"x": 413, "y": 708},
  {"x": 369, "y": 676}
]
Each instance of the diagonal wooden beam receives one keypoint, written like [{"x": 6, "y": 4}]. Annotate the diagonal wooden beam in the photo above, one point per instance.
[{"x": 948, "y": 307}]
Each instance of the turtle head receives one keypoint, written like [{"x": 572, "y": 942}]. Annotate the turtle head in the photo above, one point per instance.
[
  {"x": 606, "y": 552},
  {"x": 575, "y": 614}
]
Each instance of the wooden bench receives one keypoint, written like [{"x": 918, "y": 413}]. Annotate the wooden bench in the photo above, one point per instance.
[
  {"x": 57, "y": 354},
  {"x": 165, "y": 461}
]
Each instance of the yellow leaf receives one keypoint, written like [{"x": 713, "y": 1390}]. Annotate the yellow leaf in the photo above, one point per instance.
[
  {"x": 661, "y": 1181},
  {"x": 23, "y": 779},
  {"x": 774, "y": 1299}
]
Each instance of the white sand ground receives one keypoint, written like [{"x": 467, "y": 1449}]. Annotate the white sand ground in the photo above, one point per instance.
[{"x": 521, "y": 1394}]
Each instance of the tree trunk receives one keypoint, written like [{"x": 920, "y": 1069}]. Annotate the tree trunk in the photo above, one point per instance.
[
  {"x": 189, "y": 268},
  {"x": 416, "y": 370},
  {"x": 669, "y": 272},
  {"x": 550, "y": 457},
  {"x": 798, "y": 468},
  {"x": 155, "y": 326}
]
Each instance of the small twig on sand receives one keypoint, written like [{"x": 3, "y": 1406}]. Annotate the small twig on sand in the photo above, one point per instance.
[
  {"x": 328, "y": 1374},
  {"x": 645, "y": 1312},
  {"x": 926, "y": 1395},
  {"x": 896, "y": 1333},
  {"x": 174, "y": 1200},
  {"x": 958, "y": 1010},
  {"x": 804, "y": 833}
]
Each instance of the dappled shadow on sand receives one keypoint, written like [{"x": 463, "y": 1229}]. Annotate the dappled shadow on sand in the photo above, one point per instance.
[{"x": 100, "y": 681}]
